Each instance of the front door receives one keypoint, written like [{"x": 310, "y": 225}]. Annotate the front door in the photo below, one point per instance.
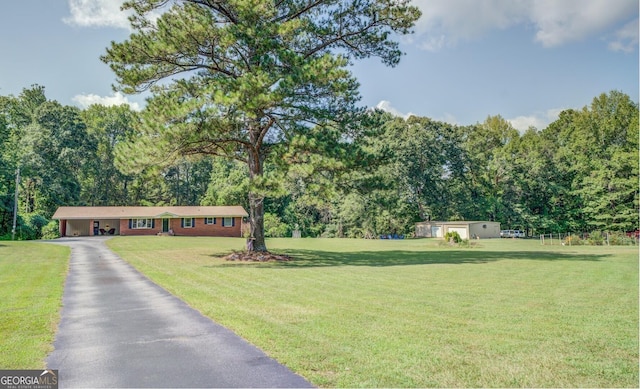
[{"x": 165, "y": 225}]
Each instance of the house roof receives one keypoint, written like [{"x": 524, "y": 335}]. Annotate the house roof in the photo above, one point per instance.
[{"x": 69, "y": 213}]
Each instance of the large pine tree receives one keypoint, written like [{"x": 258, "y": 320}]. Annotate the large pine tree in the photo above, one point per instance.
[{"x": 231, "y": 78}]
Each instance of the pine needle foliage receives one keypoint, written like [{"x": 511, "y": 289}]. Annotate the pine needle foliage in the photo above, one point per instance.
[{"x": 234, "y": 78}]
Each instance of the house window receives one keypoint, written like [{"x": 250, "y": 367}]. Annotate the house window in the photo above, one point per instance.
[
  {"x": 188, "y": 223},
  {"x": 227, "y": 222},
  {"x": 138, "y": 224},
  {"x": 209, "y": 220}
]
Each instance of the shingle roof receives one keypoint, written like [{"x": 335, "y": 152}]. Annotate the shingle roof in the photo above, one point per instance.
[{"x": 149, "y": 212}]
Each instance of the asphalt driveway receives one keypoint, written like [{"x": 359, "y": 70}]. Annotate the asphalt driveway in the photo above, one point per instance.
[{"x": 120, "y": 330}]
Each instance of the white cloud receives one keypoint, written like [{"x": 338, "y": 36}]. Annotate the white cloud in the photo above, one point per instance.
[
  {"x": 434, "y": 43},
  {"x": 118, "y": 98},
  {"x": 555, "y": 22},
  {"x": 539, "y": 120},
  {"x": 626, "y": 38},
  {"x": 105, "y": 13},
  {"x": 445, "y": 22},
  {"x": 97, "y": 13},
  {"x": 522, "y": 123},
  {"x": 448, "y": 118},
  {"x": 387, "y": 107},
  {"x": 565, "y": 21}
]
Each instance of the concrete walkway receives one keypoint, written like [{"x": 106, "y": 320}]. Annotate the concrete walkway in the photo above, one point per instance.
[{"x": 120, "y": 330}]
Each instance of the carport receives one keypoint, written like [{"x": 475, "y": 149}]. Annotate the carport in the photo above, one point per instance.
[{"x": 88, "y": 227}]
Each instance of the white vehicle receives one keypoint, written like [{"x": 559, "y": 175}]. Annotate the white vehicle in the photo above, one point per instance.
[{"x": 512, "y": 234}]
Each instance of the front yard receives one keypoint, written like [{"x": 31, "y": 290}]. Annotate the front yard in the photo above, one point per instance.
[
  {"x": 411, "y": 313},
  {"x": 32, "y": 279},
  {"x": 357, "y": 313}
]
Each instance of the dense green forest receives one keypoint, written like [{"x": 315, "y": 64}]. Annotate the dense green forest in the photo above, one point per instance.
[{"x": 578, "y": 174}]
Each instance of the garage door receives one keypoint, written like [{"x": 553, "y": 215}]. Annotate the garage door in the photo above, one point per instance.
[
  {"x": 461, "y": 231},
  {"x": 436, "y": 232}
]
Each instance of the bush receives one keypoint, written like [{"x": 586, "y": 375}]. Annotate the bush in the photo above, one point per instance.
[
  {"x": 618, "y": 238},
  {"x": 572, "y": 240},
  {"x": 28, "y": 227},
  {"x": 355, "y": 232},
  {"x": 51, "y": 230},
  {"x": 466, "y": 243},
  {"x": 452, "y": 237},
  {"x": 330, "y": 231},
  {"x": 37, "y": 222},
  {"x": 274, "y": 227},
  {"x": 25, "y": 232},
  {"x": 312, "y": 230},
  {"x": 596, "y": 238}
]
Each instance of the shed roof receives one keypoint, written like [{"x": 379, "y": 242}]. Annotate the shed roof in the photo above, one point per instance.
[
  {"x": 432, "y": 222},
  {"x": 69, "y": 213}
]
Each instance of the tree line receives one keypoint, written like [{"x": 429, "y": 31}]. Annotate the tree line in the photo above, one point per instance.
[{"x": 380, "y": 176}]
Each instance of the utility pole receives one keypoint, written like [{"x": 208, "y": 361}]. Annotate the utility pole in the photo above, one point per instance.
[{"x": 15, "y": 206}]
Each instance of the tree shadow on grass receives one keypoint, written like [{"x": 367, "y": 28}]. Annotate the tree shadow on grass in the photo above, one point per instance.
[{"x": 318, "y": 258}]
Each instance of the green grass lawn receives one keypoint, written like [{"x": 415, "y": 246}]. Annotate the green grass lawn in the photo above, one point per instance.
[
  {"x": 32, "y": 279},
  {"x": 412, "y": 313}
]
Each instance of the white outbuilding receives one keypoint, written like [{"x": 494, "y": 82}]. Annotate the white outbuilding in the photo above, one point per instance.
[{"x": 466, "y": 229}]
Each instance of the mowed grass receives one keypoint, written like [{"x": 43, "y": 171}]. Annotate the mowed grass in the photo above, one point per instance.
[
  {"x": 32, "y": 277},
  {"x": 412, "y": 313}
]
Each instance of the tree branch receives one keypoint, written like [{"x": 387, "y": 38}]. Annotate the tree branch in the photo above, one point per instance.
[{"x": 297, "y": 14}]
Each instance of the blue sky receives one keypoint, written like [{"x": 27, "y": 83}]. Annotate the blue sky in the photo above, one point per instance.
[{"x": 523, "y": 59}]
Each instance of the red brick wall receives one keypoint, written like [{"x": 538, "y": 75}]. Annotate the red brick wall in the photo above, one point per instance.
[
  {"x": 199, "y": 228},
  {"x": 125, "y": 230}
]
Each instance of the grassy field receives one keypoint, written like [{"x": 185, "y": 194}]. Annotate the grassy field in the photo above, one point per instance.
[
  {"x": 412, "y": 313},
  {"x": 32, "y": 279}
]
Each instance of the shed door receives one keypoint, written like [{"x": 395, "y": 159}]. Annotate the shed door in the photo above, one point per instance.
[
  {"x": 461, "y": 231},
  {"x": 436, "y": 232}
]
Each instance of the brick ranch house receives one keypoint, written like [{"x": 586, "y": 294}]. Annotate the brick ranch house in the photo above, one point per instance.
[{"x": 186, "y": 221}]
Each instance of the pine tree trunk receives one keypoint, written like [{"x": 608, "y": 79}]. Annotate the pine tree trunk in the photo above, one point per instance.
[
  {"x": 256, "y": 212},
  {"x": 256, "y": 202}
]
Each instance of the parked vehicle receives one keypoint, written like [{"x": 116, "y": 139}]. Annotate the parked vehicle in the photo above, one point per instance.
[{"x": 512, "y": 234}]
